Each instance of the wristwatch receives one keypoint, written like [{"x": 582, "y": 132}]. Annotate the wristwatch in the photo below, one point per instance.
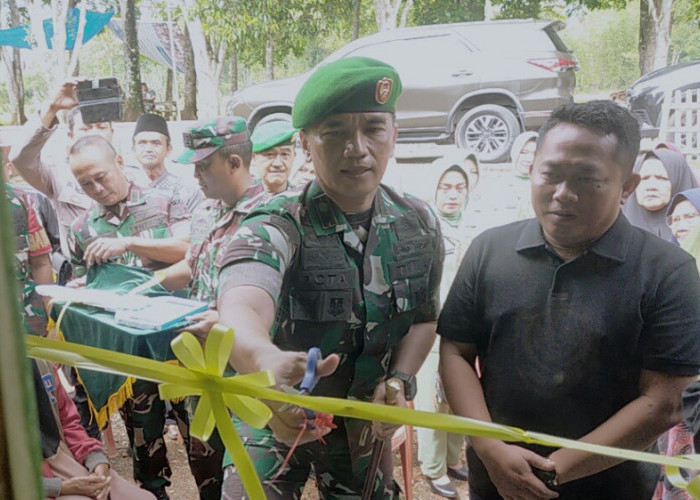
[{"x": 409, "y": 383}]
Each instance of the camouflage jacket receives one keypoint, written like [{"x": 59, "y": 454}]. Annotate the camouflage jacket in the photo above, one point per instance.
[
  {"x": 145, "y": 213},
  {"x": 30, "y": 241},
  {"x": 213, "y": 226},
  {"x": 173, "y": 185},
  {"x": 347, "y": 297}
]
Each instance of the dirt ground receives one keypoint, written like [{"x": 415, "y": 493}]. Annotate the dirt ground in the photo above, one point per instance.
[{"x": 183, "y": 486}]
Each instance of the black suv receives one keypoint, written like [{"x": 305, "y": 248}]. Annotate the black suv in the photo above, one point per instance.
[
  {"x": 645, "y": 97},
  {"x": 478, "y": 84}
]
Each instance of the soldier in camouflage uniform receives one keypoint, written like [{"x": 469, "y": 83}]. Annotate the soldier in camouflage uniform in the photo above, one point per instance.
[
  {"x": 32, "y": 256},
  {"x": 347, "y": 265},
  {"x": 221, "y": 152},
  {"x": 273, "y": 154},
  {"x": 137, "y": 227},
  {"x": 130, "y": 224}
]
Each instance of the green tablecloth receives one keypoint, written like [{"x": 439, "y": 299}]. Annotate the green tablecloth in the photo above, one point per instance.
[{"x": 93, "y": 327}]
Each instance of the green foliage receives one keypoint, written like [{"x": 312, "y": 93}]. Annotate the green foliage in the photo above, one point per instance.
[
  {"x": 605, "y": 43},
  {"x": 446, "y": 11},
  {"x": 522, "y": 9},
  {"x": 685, "y": 39},
  {"x": 248, "y": 25}
]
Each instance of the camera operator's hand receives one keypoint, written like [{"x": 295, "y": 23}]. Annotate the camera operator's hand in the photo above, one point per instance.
[{"x": 65, "y": 98}]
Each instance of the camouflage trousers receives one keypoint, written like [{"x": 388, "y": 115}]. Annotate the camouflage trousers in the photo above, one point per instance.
[
  {"x": 144, "y": 419},
  {"x": 337, "y": 475}
]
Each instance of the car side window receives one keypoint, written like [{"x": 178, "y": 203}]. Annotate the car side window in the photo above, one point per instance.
[{"x": 418, "y": 57}]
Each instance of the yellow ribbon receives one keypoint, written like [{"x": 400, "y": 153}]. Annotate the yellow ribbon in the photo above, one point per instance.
[
  {"x": 213, "y": 404},
  {"x": 673, "y": 474},
  {"x": 201, "y": 375}
]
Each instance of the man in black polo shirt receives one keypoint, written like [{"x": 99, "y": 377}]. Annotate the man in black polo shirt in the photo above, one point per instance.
[{"x": 585, "y": 326}]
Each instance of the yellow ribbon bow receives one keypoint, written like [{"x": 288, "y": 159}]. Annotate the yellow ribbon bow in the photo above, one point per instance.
[
  {"x": 213, "y": 403},
  {"x": 201, "y": 376}
]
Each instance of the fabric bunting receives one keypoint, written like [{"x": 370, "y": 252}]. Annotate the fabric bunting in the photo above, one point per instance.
[{"x": 20, "y": 36}]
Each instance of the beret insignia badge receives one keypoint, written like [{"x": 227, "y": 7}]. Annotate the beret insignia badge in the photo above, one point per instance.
[{"x": 382, "y": 92}]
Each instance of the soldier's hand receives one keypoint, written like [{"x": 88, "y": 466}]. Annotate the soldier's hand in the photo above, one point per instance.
[
  {"x": 203, "y": 322},
  {"x": 286, "y": 426},
  {"x": 66, "y": 97},
  {"x": 289, "y": 367},
  {"x": 381, "y": 430},
  {"x": 103, "y": 249}
]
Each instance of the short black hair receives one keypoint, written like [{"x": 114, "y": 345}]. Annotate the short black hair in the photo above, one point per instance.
[
  {"x": 71, "y": 118},
  {"x": 93, "y": 141},
  {"x": 602, "y": 117},
  {"x": 243, "y": 149}
]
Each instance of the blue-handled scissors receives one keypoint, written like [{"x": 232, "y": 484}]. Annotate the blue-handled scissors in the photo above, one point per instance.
[
  {"x": 308, "y": 383},
  {"x": 310, "y": 380}
]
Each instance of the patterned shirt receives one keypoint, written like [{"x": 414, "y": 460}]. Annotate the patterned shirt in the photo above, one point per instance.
[
  {"x": 171, "y": 184},
  {"x": 213, "y": 226},
  {"x": 144, "y": 213},
  {"x": 30, "y": 241}
]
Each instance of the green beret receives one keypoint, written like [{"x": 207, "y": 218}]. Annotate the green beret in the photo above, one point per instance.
[
  {"x": 270, "y": 134},
  {"x": 348, "y": 85},
  {"x": 206, "y": 137}
]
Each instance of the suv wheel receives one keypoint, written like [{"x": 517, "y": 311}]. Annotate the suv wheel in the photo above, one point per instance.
[{"x": 488, "y": 131}]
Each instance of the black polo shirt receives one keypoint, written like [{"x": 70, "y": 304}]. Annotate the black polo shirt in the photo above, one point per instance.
[{"x": 562, "y": 344}]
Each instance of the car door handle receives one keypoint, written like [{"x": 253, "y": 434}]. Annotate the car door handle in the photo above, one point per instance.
[{"x": 464, "y": 72}]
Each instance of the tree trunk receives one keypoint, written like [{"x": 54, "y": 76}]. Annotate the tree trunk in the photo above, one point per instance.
[
  {"x": 356, "y": 4},
  {"x": 207, "y": 84},
  {"x": 16, "y": 87},
  {"x": 76, "y": 69},
  {"x": 133, "y": 102},
  {"x": 189, "y": 110},
  {"x": 234, "y": 71},
  {"x": 269, "y": 63},
  {"x": 646, "y": 39},
  {"x": 389, "y": 13},
  {"x": 663, "y": 17},
  {"x": 18, "y": 116},
  {"x": 655, "y": 24},
  {"x": 169, "y": 85}
]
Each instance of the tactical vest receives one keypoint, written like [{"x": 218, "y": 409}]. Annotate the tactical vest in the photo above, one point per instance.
[{"x": 325, "y": 301}]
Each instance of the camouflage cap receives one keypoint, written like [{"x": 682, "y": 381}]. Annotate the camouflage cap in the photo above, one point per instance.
[
  {"x": 270, "y": 134},
  {"x": 348, "y": 85},
  {"x": 206, "y": 137}
]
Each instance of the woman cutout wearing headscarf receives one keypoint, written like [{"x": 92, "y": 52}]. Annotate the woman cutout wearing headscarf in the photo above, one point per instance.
[
  {"x": 663, "y": 174},
  {"x": 683, "y": 218},
  {"x": 440, "y": 453},
  {"x": 522, "y": 155}
]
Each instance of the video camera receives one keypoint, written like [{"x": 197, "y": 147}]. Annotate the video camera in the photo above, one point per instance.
[{"x": 100, "y": 100}]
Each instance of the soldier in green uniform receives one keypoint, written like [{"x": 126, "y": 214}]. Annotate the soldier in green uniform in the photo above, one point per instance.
[
  {"x": 32, "y": 256},
  {"x": 128, "y": 223},
  {"x": 346, "y": 265},
  {"x": 273, "y": 154},
  {"x": 138, "y": 227},
  {"x": 221, "y": 152}
]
